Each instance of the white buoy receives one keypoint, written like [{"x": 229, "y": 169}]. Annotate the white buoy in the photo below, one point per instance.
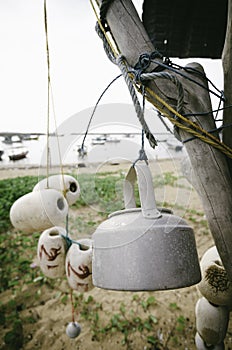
[
  {"x": 215, "y": 286},
  {"x": 37, "y": 211},
  {"x": 200, "y": 345},
  {"x": 211, "y": 321},
  {"x": 73, "y": 329},
  {"x": 79, "y": 266},
  {"x": 51, "y": 252},
  {"x": 67, "y": 184}
]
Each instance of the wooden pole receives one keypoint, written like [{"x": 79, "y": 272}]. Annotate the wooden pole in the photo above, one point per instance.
[
  {"x": 227, "y": 68},
  {"x": 209, "y": 165}
]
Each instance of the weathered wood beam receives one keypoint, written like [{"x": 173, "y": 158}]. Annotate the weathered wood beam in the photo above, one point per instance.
[
  {"x": 131, "y": 38},
  {"x": 227, "y": 68},
  {"x": 210, "y": 165}
]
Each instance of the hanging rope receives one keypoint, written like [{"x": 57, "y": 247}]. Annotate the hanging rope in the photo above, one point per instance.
[
  {"x": 58, "y": 142},
  {"x": 92, "y": 114},
  {"x": 48, "y": 92},
  {"x": 142, "y": 153},
  {"x": 112, "y": 45},
  {"x": 107, "y": 47},
  {"x": 51, "y": 97},
  {"x": 123, "y": 67},
  {"x": 120, "y": 61}
]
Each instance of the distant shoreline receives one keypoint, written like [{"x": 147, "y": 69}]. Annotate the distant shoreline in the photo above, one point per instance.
[{"x": 33, "y": 170}]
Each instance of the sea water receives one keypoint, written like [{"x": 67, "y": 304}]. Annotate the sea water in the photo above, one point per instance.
[{"x": 64, "y": 150}]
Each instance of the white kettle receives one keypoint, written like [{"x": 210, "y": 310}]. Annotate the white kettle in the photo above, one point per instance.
[{"x": 144, "y": 248}]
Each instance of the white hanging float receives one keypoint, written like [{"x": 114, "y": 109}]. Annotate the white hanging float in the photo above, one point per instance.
[
  {"x": 39, "y": 210},
  {"x": 144, "y": 248},
  {"x": 200, "y": 344},
  {"x": 79, "y": 265},
  {"x": 211, "y": 322},
  {"x": 67, "y": 184},
  {"x": 215, "y": 286},
  {"x": 51, "y": 252}
]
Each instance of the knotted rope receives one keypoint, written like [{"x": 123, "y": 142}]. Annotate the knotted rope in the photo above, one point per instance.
[{"x": 122, "y": 64}]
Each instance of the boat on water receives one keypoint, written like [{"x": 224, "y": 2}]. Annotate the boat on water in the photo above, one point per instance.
[
  {"x": 17, "y": 153},
  {"x": 112, "y": 139},
  {"x": 18, "y": 156},
  {"x": 174, "y": 144},
  {"x": 82, "y": 151},
  {"x": 99, "y": 140},
  {"x": 1, "y": 154}
]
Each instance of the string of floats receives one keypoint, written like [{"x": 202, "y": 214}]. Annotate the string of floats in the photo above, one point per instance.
[{"x": 50, "y": 97}]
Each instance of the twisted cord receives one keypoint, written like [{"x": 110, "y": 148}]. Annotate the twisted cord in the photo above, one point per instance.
[
  {"x": 123, "y": 67},
  {"x": 120, "y": 61},
  {"x": 50, "y": 97},
  {"x": 142, "y": 153},
  {"x": 151, "y": 76},
  {"x": 48, "y": 91},
  {"x": 107, "y": 47}
]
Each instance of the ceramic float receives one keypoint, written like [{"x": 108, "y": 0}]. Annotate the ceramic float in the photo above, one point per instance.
[
  {"x": 79, "y": 265},
  {"x": 39, "y": 210},
  {"x": 67, "y": 184},
  {"x": 200, "y": 344},
  {"x": 211, "y": 321},
  {"x": 215, "y": 286},
  {"x": 51, "y": 252}
]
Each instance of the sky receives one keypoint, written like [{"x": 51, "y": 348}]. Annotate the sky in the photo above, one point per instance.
[{"x": 80, "y": 69}]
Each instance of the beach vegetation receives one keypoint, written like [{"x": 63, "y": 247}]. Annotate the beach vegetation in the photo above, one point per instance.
[{"x": 135, "y": 322}]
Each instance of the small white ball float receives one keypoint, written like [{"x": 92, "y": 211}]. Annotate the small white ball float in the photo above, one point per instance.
[
  {"x": 79, "y": 265},
  {"x": 200, "y": 344},
  {"x": 215, "y": 285},
  {"x": 67, "y": 184},
  {"x": 211, "y": 321},
  {"x": 51, "y": 252},
  {"x": 73, "y": 329},
  {"x": 37, "y": 211}
]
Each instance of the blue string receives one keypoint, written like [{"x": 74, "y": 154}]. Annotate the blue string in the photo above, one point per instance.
[
  {"x": 66, "y": 237},
  {"x": 70, "y": 241}
]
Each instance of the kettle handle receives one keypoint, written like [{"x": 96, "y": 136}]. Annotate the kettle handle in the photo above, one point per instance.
[{"x": 142, "y": 173}]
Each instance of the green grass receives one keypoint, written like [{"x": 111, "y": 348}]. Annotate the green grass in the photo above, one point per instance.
[
  {"x": 10, "y": 191},
  {"x": 104, "y": 190},
  {"x": 17, "y": 250}
]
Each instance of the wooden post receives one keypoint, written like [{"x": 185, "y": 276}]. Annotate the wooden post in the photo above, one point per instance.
[
  {"x": 209, "y": 165},
  {"x": 227, "y": 67}
]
